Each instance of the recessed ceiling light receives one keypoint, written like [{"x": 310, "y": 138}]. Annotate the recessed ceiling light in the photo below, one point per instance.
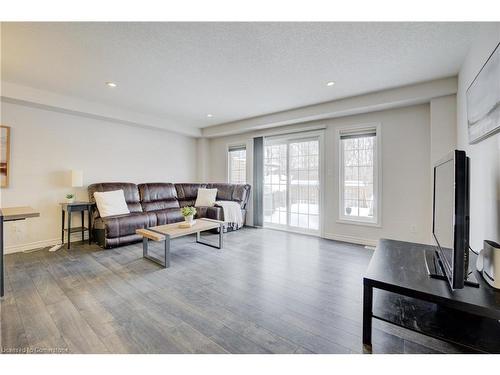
[
  {"x": 331, "y": 83},
  {"x": 210, "y": 115},
  {"x": 111, "y": 84}
]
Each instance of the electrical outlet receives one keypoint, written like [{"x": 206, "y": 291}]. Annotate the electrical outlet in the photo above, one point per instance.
[
  {"x": 16, "y": 228},
  {"x": 19, "y": 230},
  {"x": 413, "y": 228},
  {"x": 15, "y": 231}
]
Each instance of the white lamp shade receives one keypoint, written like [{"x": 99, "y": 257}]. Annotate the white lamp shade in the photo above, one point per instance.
[{"x": 76, "y": 178}]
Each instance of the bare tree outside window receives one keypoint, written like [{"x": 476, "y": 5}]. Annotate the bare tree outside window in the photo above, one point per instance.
[
  {"x": 358, "y": 158},
  {"x": 292, "y": 184}
]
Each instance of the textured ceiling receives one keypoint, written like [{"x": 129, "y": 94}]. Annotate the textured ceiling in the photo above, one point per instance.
[{"x": 183, "y": 71}]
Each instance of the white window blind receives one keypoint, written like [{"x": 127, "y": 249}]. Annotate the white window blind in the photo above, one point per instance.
[{"x": 237, "y": 164}]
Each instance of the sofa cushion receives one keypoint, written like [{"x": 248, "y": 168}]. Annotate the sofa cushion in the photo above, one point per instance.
[
  {"x": 215, "y": 212},
  {"x": 157, "y": 191},
  {"x": 160, "y": 205},
  {"x": 124, "y": 225},
  {"x": 168, "y": 216},
  {"x": 241, "y": 193},
  {"x": 158, "y": 196},
  {"x": 187, "y": 202},
  {"x": 224, "y": 191},
  {"x": 188, "y": 191},
  {"x": 130, "y": 191},
  {"x": 232, "y": 192}
]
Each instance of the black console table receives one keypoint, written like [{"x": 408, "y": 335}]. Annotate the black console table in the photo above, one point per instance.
[
  {"x": 81, "y": 207},
  {"x": 405, "y": 295},
  {"x": 11, "y": 214}
]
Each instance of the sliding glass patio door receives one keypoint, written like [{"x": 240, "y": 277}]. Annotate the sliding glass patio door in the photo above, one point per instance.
[{"x": 292, "y": 183}]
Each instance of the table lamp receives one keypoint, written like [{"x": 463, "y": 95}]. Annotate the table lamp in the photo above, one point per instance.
[
  {"x": 76, "y": 178},
  {"x": 76, "y": 181}
]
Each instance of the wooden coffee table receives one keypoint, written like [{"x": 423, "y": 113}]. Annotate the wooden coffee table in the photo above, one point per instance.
[{"x": 168, "y": 232}]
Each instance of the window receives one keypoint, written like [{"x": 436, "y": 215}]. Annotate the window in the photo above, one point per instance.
[
  {"x": 237, "y": 165},
  {"x": 359, "y": 176}
]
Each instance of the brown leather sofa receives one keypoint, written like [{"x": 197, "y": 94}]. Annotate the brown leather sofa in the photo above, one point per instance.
[{"x": 154, "y": 204}]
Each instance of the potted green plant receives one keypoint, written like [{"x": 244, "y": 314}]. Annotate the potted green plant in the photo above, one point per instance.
[
  {"x": 188, "y": 213},
  {"x": 70, "y": 198}
]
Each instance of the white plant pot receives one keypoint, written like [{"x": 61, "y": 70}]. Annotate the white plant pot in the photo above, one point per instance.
[
  {"x": 70, "y": 200},
  {"x": 189, "y": 219}
]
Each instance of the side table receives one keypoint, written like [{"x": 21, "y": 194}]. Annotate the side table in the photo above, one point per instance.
[{"x": 81, "y": 207}]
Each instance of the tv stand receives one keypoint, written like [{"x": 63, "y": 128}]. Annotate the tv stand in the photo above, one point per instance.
[
  {"x": 397, "y": 289},
  {"x": 435, "y": 269}
]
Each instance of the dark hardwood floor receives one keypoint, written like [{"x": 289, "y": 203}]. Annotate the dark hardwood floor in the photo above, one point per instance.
[{"x": 266, "y": 292}]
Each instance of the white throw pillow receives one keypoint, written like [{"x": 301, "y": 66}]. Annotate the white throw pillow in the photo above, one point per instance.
[
  {"x": 206, "y": 197},
  {"x": 110, "y": 203}
]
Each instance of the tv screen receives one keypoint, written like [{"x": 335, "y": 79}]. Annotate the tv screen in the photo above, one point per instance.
[
  {"x": 451, "y": 216},
  {"x": 444, "y": 210}
]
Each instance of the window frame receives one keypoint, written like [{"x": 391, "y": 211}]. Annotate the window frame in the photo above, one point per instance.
[
  {"x": 288, "y": 138},
  {"x": 377, "y": 175},
  {"x": 230, "y": 147}
]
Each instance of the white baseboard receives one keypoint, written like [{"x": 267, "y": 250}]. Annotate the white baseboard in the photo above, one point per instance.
[
  {"x": 350, "y": 239},
  {"x": 330, "y": 236},
  {"x": 76, "y": 238},
  {"x": 30, "y": 246},
  {"x": 40, "y": 244}
]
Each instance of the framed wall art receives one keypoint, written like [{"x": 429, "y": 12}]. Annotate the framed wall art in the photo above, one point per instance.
[
  {"x": 483, "y": 100},
  {"x": 4, "y": 155}
]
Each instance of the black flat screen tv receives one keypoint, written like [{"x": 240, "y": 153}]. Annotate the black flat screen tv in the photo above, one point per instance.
[{"x": 450, "y": 225}]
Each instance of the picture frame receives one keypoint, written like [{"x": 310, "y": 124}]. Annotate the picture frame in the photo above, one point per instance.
[
  {"x": 483, "y": 100},
  {"x": 4, "y": 155}
]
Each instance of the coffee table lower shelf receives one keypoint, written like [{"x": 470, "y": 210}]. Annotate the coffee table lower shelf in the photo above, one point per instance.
[{"x": 168, "y": 232}]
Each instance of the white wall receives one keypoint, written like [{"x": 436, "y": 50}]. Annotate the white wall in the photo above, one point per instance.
[
  {"x": 405, "y": 166},
  {"x": 202, "y": 159},
  {"x": 443, "y": 112},
  {"x": 46, "y": 145},
  {"x": 443, "y": 122},
  {"x": 485, "y": 155}
]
